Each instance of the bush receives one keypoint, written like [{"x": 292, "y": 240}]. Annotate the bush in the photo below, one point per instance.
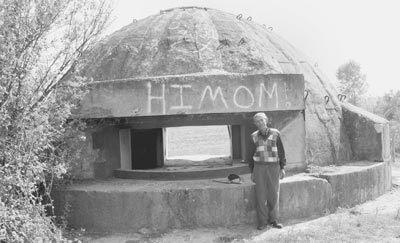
[{"x": 44, "y": 42}]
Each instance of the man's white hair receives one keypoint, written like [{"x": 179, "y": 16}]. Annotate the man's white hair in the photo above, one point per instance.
[{"x": 260, "y": 114}]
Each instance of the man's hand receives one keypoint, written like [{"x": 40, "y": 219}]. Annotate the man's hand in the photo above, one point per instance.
[
  {"x": 252, "y": 178},
  {"x": 282, "y": 174}
]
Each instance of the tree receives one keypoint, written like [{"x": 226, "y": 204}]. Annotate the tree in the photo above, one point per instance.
[
  {"x": 352, "y": 82},
  {"x": 42, "y": 45},
  {"x": 389, "y": 107}
]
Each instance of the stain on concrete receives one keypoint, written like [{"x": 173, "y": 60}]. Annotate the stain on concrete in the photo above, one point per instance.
[
  {"x": 195, "y": 40},
  {"x": 129, "y": 205}
]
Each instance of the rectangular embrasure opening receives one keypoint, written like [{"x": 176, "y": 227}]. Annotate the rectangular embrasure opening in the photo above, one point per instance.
[{"x": 208, "y": 146}]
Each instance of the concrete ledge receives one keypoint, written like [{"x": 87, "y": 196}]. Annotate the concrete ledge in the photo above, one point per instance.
[
  {"x": 303, "y": 196},
  {"x": 119, "y": 205},
  {"x": 201, "y": 173},
  {"x": 356, "y": 183}
]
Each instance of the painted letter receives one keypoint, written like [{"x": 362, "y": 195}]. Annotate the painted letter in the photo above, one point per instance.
[
  {"x": 274, "y": 89},
  {"x": 213, "y": 96},
  {"x": 180, "y": 87},
  {"x": 248, "y": 91},
  {"x": 150, "y": 97}
]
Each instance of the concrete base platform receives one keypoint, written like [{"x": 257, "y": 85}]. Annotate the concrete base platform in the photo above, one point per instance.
[
  {"x": 184, "y": 173},
  {"x": 125, "y": 205}
]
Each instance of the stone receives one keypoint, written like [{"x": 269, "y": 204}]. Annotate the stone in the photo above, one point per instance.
[{"x": 144, "y": 231}]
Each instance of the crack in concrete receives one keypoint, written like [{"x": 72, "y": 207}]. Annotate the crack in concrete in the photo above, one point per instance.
[
  {"x": 331, "y": 142},
  {"x": 321, "y": 176}
]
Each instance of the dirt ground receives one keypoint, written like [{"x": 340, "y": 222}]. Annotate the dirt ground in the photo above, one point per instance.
[{"x": 374, "y": 221}]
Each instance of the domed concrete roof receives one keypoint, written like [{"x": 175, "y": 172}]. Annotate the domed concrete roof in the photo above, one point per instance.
[
  {"x": 192, "y": 40},
  {"x": 202, "y": 40}
]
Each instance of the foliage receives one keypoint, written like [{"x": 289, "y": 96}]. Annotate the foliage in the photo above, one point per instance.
[
  {"x": 41, "y": 47},
  {"x": 352, "y": 82},
  {"x": 388, "y": 106}
]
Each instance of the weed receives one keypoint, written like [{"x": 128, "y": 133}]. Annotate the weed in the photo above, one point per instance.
[
  {"x": 229, "y": 239},
  {"x": 290, "y": 235},
  {"x": 376, "y": 212},
  {"x": 355, "y": 211}
]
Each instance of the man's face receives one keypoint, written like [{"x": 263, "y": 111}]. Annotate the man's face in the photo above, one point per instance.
[{"x": 261, "y": 123}]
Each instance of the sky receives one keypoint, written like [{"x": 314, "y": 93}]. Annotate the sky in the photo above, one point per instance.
[{"x": 329, "y": 33}]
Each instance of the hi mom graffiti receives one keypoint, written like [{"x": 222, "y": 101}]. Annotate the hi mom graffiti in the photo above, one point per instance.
[
  {"x": 212, "y": 98},
  {"x": 222, "y": 96},
  {"x": 194, "y": 95}
]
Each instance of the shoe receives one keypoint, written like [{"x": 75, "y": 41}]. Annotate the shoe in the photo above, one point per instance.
[
  {"x": 262, "y": 226},
  {"x": 276, "y": 225}
]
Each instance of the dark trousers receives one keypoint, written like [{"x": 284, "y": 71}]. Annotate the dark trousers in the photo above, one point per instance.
[{"x": 266, "y": 177}]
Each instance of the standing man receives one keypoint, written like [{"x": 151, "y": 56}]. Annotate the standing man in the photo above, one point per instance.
[{"x": 267, "y": 168}]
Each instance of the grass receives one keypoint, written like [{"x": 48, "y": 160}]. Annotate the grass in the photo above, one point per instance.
[
  {"x": 374, "y": 221},
  {"x": 198, "y": 140},
  {"x": 345, "y": 227}
]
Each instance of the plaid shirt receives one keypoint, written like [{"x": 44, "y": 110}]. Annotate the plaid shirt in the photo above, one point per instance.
[{"x": 274, "y": 144}]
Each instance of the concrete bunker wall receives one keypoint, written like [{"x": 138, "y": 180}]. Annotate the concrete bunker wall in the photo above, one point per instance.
[
  {"x": 368, "y": 133},
  {"x": 329, "y": 135},
  {"x": 127, "y": 206},
  {"x": 361, "y": 135},
  {"x": 100, "y": 153},
  {"x": 202, "y": 41},
  {"x": 116, "y": 107},
  {"x": 103, "y": 143}
]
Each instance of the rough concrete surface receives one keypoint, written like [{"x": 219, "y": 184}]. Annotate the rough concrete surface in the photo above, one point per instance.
[
  {"x": 355, "y": 184},
  {"x": 101, "y": 155},
  {"x": 193, "y": 94},
  {"x": 207, "y": 41},
  {"x": 180, "y": 173},
  {"x": 384, "y": 206},
  {"x": 368, "y": 134},
  {"x": 130, "y": 205}
]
